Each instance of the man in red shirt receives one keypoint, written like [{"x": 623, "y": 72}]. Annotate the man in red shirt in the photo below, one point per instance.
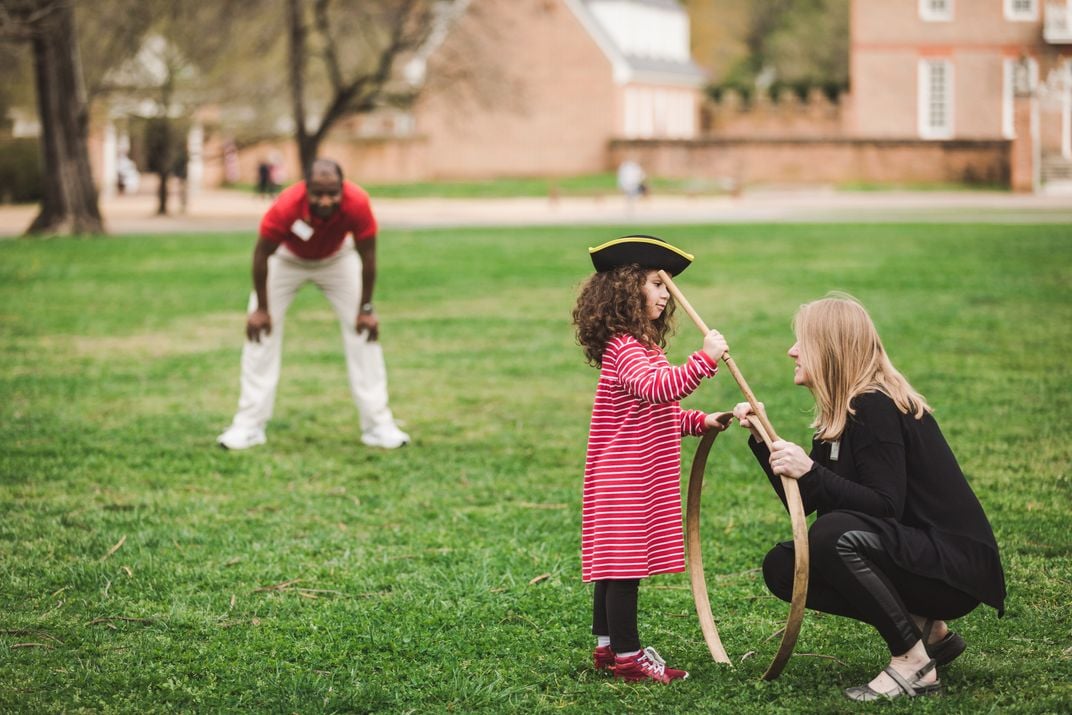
[{"x": 308, "y": 235}]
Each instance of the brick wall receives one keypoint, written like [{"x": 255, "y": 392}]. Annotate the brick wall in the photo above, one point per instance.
[
  {"x": 744, "y": 161},
  {"x": 366, "y": 160},
  {"x": 544, "y": 104},
  {"x": 786, "y": 117}
]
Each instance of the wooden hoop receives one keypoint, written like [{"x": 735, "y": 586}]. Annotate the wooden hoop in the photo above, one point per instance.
[
  {"x": 696, "y": 569},
  {"x": 793, "y": 503}
]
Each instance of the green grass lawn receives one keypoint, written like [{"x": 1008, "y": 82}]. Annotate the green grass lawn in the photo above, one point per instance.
[
  {"x": 582, "y": 185},
  {"x": 509, "y": 187},
  {"x": 605, "y": 184},
  {"x": 144, "y": 569}
]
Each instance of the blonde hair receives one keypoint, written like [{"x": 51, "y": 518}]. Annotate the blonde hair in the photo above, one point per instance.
[{"x": 842, "y": 356}]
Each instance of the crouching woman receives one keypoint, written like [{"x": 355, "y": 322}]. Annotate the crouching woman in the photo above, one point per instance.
[{"x": 901, "y": 541}]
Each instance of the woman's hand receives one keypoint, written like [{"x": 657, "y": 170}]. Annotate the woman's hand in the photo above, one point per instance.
[
  {"x": 714, "y": 345},
  {"x": 789, "y": 460},
  {"x": 718, "y": 421},
  {"x": 745, "y": 414}
]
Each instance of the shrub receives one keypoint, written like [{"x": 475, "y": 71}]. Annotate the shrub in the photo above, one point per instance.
[{"x": 20, "y": 171}]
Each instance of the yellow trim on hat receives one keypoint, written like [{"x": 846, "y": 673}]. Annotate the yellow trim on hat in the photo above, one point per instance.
[{"x": 643, "y": 239}]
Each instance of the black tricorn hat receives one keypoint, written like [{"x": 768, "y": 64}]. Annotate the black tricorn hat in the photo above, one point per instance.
[{"x": 646, "y": 251}]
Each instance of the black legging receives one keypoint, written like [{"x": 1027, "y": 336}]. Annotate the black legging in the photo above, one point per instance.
[
  {"x": 614, "y": 614},
  {"x": 853, "y": 576}
]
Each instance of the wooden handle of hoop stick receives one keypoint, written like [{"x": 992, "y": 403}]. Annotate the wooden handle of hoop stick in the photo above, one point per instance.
[
  {"x": 764, "y": 427},
  {"x": 794, "y": 504}
]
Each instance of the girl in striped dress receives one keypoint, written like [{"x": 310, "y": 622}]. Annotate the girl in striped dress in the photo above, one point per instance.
[{"x": 631, "y": 521}]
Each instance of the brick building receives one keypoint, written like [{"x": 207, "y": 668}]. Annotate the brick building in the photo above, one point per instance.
[
  {"x": 958, "y": 58},
  {"x": 561, "y": 87},
  {"x": 947, "y": 70},
  {"x": 574, "y": 74},
  {"x": 509, "y": 88},
  {"x": 974, "y": 91},
  {"x": 530, "y": 88}
]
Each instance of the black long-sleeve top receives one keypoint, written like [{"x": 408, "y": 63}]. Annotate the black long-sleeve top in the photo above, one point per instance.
[{"x": 899, "y": 474}]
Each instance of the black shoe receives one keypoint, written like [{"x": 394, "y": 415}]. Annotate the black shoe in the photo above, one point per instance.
[{"x": 946, "y": 650}]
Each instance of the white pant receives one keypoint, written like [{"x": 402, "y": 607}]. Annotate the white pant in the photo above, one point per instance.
[{"x": 339, "y": 278}]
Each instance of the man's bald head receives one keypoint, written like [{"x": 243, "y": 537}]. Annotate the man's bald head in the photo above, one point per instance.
[
  {"x": 324, "y": 187},
  {"x": 327, "y": 167}
]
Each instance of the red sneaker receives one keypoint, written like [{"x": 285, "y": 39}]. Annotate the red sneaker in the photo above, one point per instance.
[
  {"x": 603, "y": 658},
  {"x": 646, "y": 665}
]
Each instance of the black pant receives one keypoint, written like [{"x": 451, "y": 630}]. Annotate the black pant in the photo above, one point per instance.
[
  {"x": 852, "y": 575},
  {"x": 614, "y": 614}
]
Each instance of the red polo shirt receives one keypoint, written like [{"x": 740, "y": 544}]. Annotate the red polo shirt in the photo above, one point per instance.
[{"x": 289, "y": 222}]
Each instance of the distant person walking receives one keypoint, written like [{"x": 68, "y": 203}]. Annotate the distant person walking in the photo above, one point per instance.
[
  {"x": 632, "y": 181},
  {"x": 181, "y": 170},
  {"x": 127, "y": 177},
  {"x": 309, "y": 236},
  {"x": 266, "y": 186}
]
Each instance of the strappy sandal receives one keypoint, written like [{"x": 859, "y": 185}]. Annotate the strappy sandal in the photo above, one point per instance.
[
  {"x": 946, "y": 650},
  {"x": 910, "y": 687}
]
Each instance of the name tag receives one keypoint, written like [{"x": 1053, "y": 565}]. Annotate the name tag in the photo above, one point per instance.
[
  {"x": 835, "y": 448},
  {"x": 302, "y": 230}
]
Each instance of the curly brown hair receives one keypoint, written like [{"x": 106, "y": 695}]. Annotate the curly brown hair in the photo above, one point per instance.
[{"x": 612, "y": 303}]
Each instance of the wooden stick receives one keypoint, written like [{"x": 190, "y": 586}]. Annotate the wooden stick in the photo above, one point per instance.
[
  {"x": 770, "y": 435},
  {"x": 794, "y": 504}
]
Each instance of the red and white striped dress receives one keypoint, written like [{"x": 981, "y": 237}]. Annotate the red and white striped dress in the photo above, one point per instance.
[{"x": 631, "y": 520}]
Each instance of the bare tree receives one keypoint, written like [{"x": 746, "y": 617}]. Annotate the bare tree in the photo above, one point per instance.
[
  {"x": 152, "y": 82},
  {"x": 69, "y": 199},
  {"x": 156, "y": 63},
  {"x": 362, "y": 73}
]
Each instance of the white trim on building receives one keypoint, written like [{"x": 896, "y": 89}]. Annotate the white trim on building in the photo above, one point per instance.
[
  {"x": 1066, "y": 109},
  {"x": 936, "y": 10},
  {"x": 935, "y": 98},
  {"x": 665, "y": 112},
  {"x": 621, "y": 70},
  {"x": 643, "y": 30},
  {"x": 647, "y": 44},
  {"x": 1008, "y": 94},
  {"x": 1010, "y": 66},
  {"x": 1021, "y": 10}
]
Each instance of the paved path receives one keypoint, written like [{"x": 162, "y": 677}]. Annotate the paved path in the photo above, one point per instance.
[{"x": 235, "y": 211}]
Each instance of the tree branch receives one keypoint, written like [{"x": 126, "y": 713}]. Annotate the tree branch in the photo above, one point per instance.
[
  {"x": 360, "y": 93},
  {"x": 331, "y": 53},
  {"x": 23, "y": 23},
  {"x": 297, "y": 66}
]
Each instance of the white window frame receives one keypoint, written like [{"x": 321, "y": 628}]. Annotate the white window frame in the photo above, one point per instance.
[
  {"x": 1012, "y": 14},
  {"x": 1008, "y": 96},
  {"x": 1066, "y": 111},
  {"x": 927, "y": 128},
  {"x": 929, "y": 13}
]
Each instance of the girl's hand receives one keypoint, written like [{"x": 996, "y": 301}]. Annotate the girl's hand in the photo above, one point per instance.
[
  {"x": 744, "y": 414},
  {"x": 718, "y": 421},
  {"x": 714, "y": 345},
  {"x": 789, "y": 460}
]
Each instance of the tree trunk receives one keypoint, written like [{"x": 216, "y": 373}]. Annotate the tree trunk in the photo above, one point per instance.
[
  {"x": 308, "y": 145},
  {"x": 162, "y": 193},
  {"x": 69, "y": 201},
  {"x": 160, "y": 140}
]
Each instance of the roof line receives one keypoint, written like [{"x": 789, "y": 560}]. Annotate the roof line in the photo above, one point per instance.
[{"x": 622, "y": 69}]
